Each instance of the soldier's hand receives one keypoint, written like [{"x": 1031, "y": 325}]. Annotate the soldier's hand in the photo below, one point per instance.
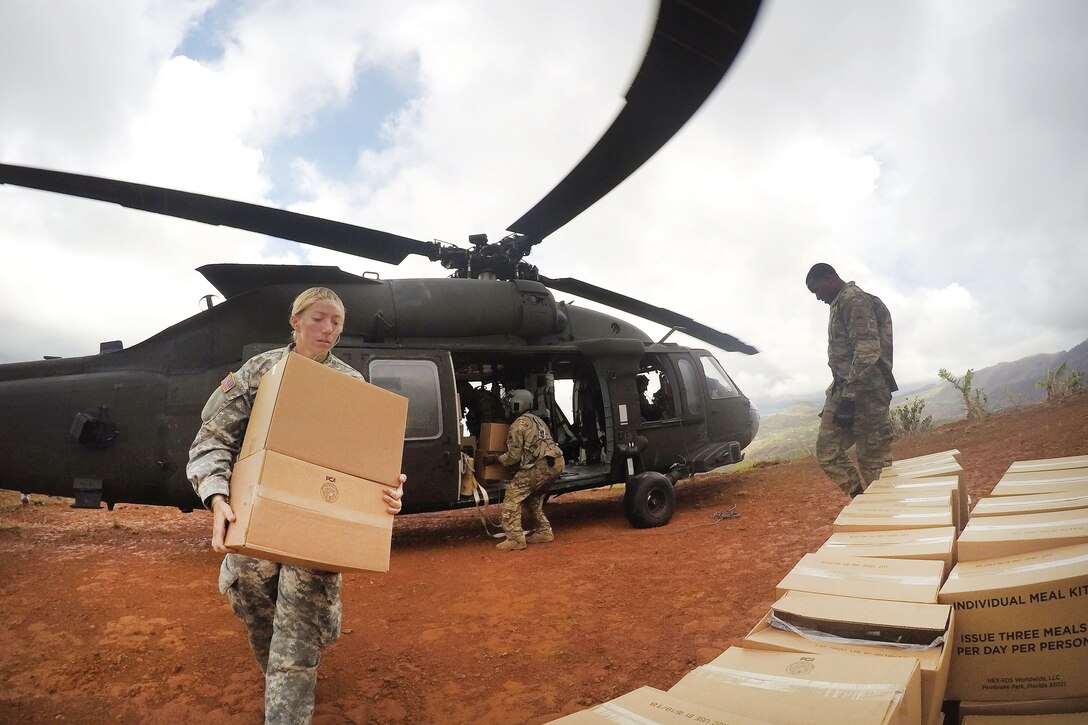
[
  {"x": 844, "y": 414},
  {"x": 222, "y": 516},
  {"x": 392, "y": 496}
]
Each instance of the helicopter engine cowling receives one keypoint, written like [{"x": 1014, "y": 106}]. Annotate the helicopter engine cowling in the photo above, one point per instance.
[{"x": 421, "y": 308}]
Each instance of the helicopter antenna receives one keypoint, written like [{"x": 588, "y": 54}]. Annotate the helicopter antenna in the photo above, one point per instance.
[{"x": 207, "y": 300}]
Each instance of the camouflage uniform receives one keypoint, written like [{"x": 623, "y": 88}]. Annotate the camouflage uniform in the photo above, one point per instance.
[
  {"x": 529, "y": 444},
  {"x": 859, "y": 353},
  {"x": 290, "y": 613}
]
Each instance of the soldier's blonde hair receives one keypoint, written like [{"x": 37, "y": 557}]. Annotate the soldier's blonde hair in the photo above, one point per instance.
[{"x": 317, "y": 294}]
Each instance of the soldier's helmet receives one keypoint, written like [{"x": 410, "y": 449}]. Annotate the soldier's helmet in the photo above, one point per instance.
[{"x": 518, "y": 401}]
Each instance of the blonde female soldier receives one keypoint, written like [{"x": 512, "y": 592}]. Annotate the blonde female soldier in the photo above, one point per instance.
[{"x": 290, "y": 613}]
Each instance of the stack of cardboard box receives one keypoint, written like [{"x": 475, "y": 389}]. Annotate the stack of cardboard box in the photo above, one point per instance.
[
  {"x": 307, "y": 484},
  {"x": 1021, "y": 596},
  {"x": 885, "y": 623}
]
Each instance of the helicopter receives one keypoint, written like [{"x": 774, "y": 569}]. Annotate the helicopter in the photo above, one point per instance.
[{"x": 117, "y": 426}]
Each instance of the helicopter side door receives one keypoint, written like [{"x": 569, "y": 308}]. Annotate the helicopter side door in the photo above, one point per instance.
[
  {"x": 662, "y": 414},
  {"x": 432, "y": 434}
]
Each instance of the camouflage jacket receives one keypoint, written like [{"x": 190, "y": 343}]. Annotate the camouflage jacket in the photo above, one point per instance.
[
  {"x": 528, "y": 442},
  {"x": 225, "y": 417},
  {"x": 859, "y": 342}
]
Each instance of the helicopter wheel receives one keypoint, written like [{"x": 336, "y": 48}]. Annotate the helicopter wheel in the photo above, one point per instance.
[{"x": 649, "y": 500}]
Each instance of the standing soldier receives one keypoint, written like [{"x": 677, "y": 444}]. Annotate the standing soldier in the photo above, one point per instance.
[
  {"x": 530, "y": 445},
  {"x": 859, "y": 353}
]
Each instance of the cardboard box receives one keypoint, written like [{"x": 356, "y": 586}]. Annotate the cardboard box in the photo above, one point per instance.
[
  {"x": 1021, "y": 626},
  {"x": 937, "y": 544},
  {"x": 924, "y": 469},
  {"x": 1065, "y": 475},
  {"x": 906, "y": 484},
  {"x": 1015, "y": 488},
  {"x": 1031, "y": 503},
  {"x": 934, "y": 497},
  {"x": 1026, "y": 707},
  {"x": 808, "y": 689},
  {"x": 903, "y": 580},
  {"x": 990, "y": 537},
  {"x": 1067, "y": 719},
  {"x": 1049, "y": 464},
  {"x": 492, "y": 441},
  {"x": 953, "y": 454},
  {"x": 891, "y": 517},
  {"x": 313, "y": 413},
  {"x": 647, "y": 706},
  {"x": 298, "y": 513},
  {"x": 819, "y": 623}
]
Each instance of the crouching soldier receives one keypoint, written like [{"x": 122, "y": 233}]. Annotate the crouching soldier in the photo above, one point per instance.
[{"x": 530, "y": 446}]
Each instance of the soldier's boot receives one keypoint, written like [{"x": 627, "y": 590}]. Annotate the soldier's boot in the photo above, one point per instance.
[
  {"x": 540, "y": 537},
  {"x": 512, "y": 543}
]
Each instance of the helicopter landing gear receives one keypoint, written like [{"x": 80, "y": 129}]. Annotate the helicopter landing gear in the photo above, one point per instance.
[{"x": 649, "y": 500}]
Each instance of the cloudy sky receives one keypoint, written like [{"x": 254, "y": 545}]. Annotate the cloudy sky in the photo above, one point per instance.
[{"x": 932, "y": 151}]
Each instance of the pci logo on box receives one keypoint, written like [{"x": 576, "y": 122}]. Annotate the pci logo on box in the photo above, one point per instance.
[{"x": 307, "y": 485}]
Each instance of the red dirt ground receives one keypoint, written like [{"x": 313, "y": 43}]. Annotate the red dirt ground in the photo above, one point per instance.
[{"x": 115, "y": 617}]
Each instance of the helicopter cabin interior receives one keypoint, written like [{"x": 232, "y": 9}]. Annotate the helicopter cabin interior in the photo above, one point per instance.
[{"x": 579, "y": 399}]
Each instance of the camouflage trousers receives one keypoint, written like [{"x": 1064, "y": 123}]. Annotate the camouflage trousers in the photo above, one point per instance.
[
  {"x": 528, "y": 488},
  {"x": 871, "y": 434},
  {"x": 290, "y": 614}
]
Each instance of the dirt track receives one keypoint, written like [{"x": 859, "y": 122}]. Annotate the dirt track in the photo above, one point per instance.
[{"x": 114, "y": 617}]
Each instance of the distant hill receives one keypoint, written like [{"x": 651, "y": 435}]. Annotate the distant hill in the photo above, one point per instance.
[
  {"x": 1006, "y": 385},
  {"x": 787, "y": 435},
  {"x": 791, "y": 434}
]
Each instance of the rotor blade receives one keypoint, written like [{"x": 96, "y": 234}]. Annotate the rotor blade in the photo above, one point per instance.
[
  {"x": 693, "y": 44},
  {"x": 338, "y": 236},
  {"x": 233, "y": 279},
  {"x": 660, "y": 315}
]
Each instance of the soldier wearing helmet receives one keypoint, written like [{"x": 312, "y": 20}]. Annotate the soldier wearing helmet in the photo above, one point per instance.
[{"x": 530, "y": 446}]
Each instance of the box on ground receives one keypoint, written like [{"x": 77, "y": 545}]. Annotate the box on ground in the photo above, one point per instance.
[
  {"x": 952, "y": 454},
  {"x": 913, "y": 499},
  {"x": 808, "y": 689},
  {"x": 924, "y": 469},
  {"x": 990, "y": 537},
  {"x": 819, "y": 623},
  {"x": 1031, "y": 503},
  {"x": 890, "y": 516},
  {"x": 1064, "y": 475},
  {"x": 492, "y": 441},
  {"x": 1013, "y": 488},
  {"x": 1061, "y": 705},
  {"x": 903, "y": 580},
  {"x": 1049, "y": 464},
  {"x": 1021, "y": 626},
  {"x": 937, "y": 544},
  {"x": 316, "y": 414},
  {"x": 295, "y": 512},
  {"x": 922, "y": 486},
  {"x": 650, "y": 706}
]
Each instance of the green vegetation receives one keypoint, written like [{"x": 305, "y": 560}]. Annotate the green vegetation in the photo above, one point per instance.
[
  {"x": 977, "y": 405},
  {"x": 1060, "y": 384},
  {"x": 907, "y": 418}
]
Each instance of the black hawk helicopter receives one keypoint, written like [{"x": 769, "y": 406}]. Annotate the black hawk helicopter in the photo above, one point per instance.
[{"x": 117, "y": 426}]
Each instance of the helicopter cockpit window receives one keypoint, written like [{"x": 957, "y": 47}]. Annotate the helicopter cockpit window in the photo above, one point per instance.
[
  {"x": 416, "y": 380},
  {"x": 693, "y": 395},
  {"x": 718, "y": 383}
]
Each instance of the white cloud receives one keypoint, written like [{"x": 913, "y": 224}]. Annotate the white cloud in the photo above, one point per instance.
[{"x": 931, "y": 152}]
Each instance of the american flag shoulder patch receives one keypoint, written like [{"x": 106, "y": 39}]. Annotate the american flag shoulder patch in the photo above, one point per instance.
[{"x": 228, "y": 383}]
